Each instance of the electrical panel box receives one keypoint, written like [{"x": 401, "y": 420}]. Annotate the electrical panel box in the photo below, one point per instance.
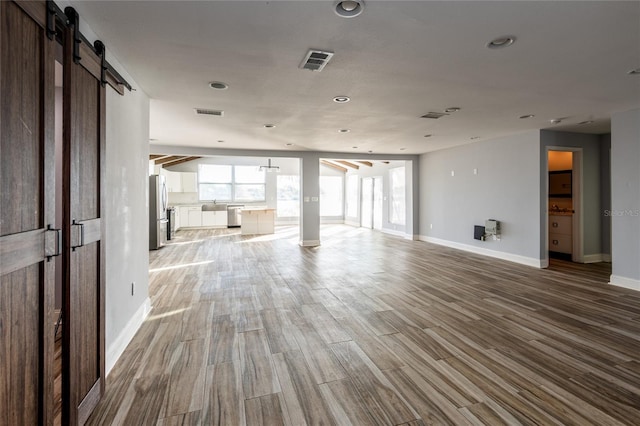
[{"x": 492, "y": 227}]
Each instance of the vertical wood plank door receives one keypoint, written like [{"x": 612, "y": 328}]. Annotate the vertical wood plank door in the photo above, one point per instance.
[
  {"x": 83, "y": 167},
  {"x": 27, "y": 278}
]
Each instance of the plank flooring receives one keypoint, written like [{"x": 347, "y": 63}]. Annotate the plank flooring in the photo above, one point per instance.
[{"x": 371, "y": 329}]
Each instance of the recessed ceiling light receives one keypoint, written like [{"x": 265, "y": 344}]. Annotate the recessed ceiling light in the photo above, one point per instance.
[
  {"x": 452, "y": 109},
  {"x": 218, "y": 85},
  {"x": 269, "y": 126},
  {"x": 370, "y": 152},
  {"x": 501, "y": 42},
  {"x": 527, "y": 116},
  {"x": 427, "y": 136},
  {"x": 341, "y": 99},
  {"x": 344, "y": 130},
  {"x": 586, "y": 122},
  {"x": 634, "y": 72},
  {"x": 473, "y": 138},
  {"x": 289, "y": 144},
  {"x": 348, "y": 8},
  {"x": 402, "y": 149},
  {"x": 220, "y": 141},
  {"x": 354, "y": 147},
  {"x": 556, "y": 120},
  {"x": 152, "y": 140}
]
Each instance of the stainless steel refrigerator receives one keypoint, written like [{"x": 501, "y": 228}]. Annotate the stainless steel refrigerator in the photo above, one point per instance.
[{"x": 158, "y": 200}]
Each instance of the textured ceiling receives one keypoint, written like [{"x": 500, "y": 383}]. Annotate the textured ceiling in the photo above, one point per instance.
[{"x": 397, "y": 61}]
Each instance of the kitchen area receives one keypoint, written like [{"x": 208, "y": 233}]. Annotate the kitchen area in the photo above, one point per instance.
[{"x": 184, "y": 208}]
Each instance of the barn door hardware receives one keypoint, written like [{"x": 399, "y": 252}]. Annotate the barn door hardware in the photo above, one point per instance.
[
  {"x": 80, "y": 238},
  {"x": 57, "y": 249},
  {"x": 100, "y": 50},
  {"x": 74, "y": 22}
]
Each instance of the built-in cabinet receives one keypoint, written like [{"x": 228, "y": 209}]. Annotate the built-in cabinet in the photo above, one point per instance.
[
  {"x": 560, "y": 233},
  {"x": 258, "y": 221},
  {"x": 194, "y": 217},
  {"x": 214, "y": 219},
  {"x": 180, "y": 181}
]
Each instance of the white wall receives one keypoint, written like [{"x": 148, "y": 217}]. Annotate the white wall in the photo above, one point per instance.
[
  {"x": 506, "y": 188},
  {"x": 625, "y": 199}
]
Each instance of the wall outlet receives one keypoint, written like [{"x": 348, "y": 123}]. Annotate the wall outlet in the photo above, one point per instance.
[
  {"x": 431, "y": 226},
  {"x": 453, "y": 173},
  {"x": 475, "y": 171},
  {"x": 133, "y": 288}
]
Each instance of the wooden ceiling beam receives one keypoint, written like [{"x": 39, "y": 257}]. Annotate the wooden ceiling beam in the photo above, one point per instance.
[
  {"x": 180, "y": 161},
  {"x": 348, "y": 164},
  {"x": 168, "y": 159},
  {"x": 332, "y": 165},
  {"x": 365, "y": 163},
  {"x": 156, "y": 156}
]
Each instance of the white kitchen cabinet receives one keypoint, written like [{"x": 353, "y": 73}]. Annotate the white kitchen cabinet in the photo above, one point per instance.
[
  {"x": 189, "y": 182},
  {"x": 195, "y": 216},
  {"x": 184, "y": 216},
  {"x": 173, "y": 181},
  {"x": 258, "y": 221},
  {"x": 560, "y": 234},
  {"x": 215, "y": 219},
  {"x": 208, "y": 218}
]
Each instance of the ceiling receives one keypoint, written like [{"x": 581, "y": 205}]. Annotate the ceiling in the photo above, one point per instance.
[{"x": 396, "y": 61}]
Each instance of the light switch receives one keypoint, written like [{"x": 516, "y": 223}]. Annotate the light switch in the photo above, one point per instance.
[
  {"x": 306, "y": 199},
  {"x": 453, "y": 173},
  {"x": 314, "y": 199},
  {"x": 475, "y": 171}
]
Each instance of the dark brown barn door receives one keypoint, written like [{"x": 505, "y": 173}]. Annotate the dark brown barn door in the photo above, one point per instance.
[
  {"x": 26, "y": 209},
  {"x": 83, "y": 337}
]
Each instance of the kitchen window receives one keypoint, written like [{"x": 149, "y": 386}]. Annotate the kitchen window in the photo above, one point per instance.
[{"x": 230, "y": 183}]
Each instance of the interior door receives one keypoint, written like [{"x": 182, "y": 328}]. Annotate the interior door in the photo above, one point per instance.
[
  {"x": 83, "y": 164},
  {"x": 27, "y": 276}
]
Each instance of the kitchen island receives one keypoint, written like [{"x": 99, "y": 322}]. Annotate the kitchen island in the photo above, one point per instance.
[{"x": 258, "y": 220}]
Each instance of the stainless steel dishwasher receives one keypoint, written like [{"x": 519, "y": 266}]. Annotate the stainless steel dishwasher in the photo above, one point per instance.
[{"x": 234, "y": 215}]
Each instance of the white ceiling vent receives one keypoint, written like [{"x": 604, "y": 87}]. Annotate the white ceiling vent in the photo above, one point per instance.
[
  {"x": 316, "y": 60},
  {"x": 202, "y": 111},
  {"x": 434, "y": 115}
]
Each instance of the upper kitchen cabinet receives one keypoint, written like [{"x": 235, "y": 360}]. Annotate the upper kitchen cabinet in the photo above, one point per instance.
[
  {"x": 189, "y": 182},
  {"x": 181, "y": 182}
]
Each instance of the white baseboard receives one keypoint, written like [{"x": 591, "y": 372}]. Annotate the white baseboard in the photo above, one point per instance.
[
  {"x": 593, "y": 258},
  {"x": 352, "y": 223},
  {"x": 393, "y": 232},
  {"x": 606, "y": 258},
  {"x": 516, "y": 258},
  {"x": 625, "y": 282},
  {"x": 310, "y": 243},
  {"x": 115, "y": 350}
]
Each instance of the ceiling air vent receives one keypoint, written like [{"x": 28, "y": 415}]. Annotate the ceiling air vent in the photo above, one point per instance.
[
  {"x": 202, "y": 111},
  {"x": 315, "y": 60},
  {"x": 434, "y": 115}
]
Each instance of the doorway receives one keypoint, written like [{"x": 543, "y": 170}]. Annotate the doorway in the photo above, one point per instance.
[
  {"x": 371, "y": 203},
  {"x": 564, "y": 195}
]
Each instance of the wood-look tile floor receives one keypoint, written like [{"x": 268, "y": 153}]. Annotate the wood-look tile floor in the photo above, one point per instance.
[{"x": 371, "y": 329}]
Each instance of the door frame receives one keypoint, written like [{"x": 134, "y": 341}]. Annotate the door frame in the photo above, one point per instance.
[{"x": 577, "y": 236}]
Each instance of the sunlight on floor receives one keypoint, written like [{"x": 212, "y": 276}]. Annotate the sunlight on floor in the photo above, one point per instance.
[{"x": 185, "y": 265}]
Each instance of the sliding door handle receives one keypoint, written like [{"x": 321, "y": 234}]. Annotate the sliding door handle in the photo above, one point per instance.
[
  {"x": 58, "y": 243},
  {"x": 81, "y": 234}
]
